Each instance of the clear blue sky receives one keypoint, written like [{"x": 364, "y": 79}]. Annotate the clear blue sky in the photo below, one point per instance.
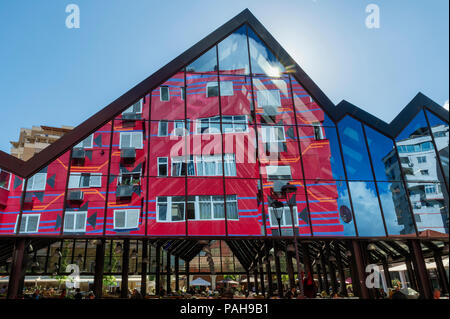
[{"x": 57, "y": 76}]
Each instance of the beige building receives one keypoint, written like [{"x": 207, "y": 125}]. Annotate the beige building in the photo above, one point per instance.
[{"x": 34, "y": 140}]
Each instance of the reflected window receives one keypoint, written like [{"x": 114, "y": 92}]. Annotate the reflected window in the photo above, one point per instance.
[
  {"x": 226, "y": 89},
  {"x": 286, "y": 218},
  {"x": 37, "y": 182},
  {"x": 163, "y": 166},
  {"x": 5, "y": 178},
  {"x": 88, "y": 142},
  {"x": 126, "y": 218},
  {"x": 181, "y": 168},
  {"x": 75, "y": 221},
  {"x": 318, "y": 133},
  {"x": 136, "y": 108},
  {"x": 164, "y": 94},
  {"x": 278, "y": 172},
  {"x": 85, "y": 180},
  {"x": 131, "y": 140},
  {"x": 28, "y": 224},
  {"x": 163, "y": 129}
]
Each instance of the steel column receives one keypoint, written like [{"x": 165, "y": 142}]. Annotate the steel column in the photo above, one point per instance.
[
  {"x": 144, "y": 266},
  {"x": 421, "y": 270},
  {"x": 16, "y": 268},
  {"x": 99, "y": 268}
]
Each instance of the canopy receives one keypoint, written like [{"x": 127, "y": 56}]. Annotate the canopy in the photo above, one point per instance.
[
  {"x": 229, "y": 281},
  {"x": 200, "y": 282}
]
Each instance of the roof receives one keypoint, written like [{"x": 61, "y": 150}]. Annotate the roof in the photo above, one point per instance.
[{"x": 28, "y": 168}]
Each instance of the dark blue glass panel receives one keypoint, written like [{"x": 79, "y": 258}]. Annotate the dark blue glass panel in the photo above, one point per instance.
[
  {"x": 354, "y": 150},
  {"x": 367, "y": 209},
  {"x": 384, "y": 159},
  {"x": 397, "y": 213}
]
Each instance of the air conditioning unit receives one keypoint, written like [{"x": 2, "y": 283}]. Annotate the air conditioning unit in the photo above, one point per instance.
[
  {"x": 270, "y": 110},
  {"x": 76, "y": 196},
  {"x": 128, "y": 153},
  {"x": 124, "y": 191},
  {"x": 278, "y": 185},
  {"x": 131, "y": 116},
  {"x": 78, "y": 153}
]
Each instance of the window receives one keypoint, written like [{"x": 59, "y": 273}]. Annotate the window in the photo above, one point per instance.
[
  {"x": 163, "y": 166},
  {"x": 88, "y": 142},
  {"x": 424, "y": 172},
  {"x": 170, "y": 209},
  {"x": 430, "y": 189},
  {"x": 75, "y": 221},
  {"x": 136, "y": 108},
  {"x": 268, "y": 98},
  {"x": 278, "y": 172},
  {"x": 211, "y": 165},
  {"x": 5, "y": 178},
  {"x": 131, "y": 140},
  {"x": 179, "y": 166},
  {"x": 183, "y": 92},
  {"x": 79, "y": 180},
  {"x": 286, "y": 218},
  {"x": 204, "y": 207},
  {"x": 230, "y": 124},
  {"x": 179, "y": 129},
  {"x": 318, "y": 133},
  {"x": 164, "y": 94},
  {"x": 422, "y": 147},
  {"x": 37, "y": 182},
  {"x": 163, "y": 128},
  {"x": 422, "y": 159},
  {"x": 126, "y": 218},
  {"x": 273, "y": 134},
  {"x": 131, "y": 178},
  {"x": 29, "y": 223},
  {"x": 226, "y": 89}
]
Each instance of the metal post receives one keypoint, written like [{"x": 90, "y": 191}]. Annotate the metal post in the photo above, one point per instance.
[
  {"x": 255, "y": 273},
  {"x": 297, "y": 257},
  {"x": 99, "y": 268},
  {"x": 443, "y": 279},
  {"x": 411, "y": 275},
  {"x": 261, "y": 275},
  {"x": 331, "y": 268},
  {"x": 278, "y": 270},
  {"x": 268, "y": 270},
  {"x": 325, "y": 273},
  {"x": 16, "y": 268},
  {"x": 144, "y": 266},
  {"x": 158, "y": 270},
  {"x": 248, "y": 282},
  {"x": 360, "y": 270},
  {"x": 319, "y": 277},
  {"x": 168, "y": 274},
  {"x": 177, "y": 275},
  {"x": 290, "y": 269},
  {"x": 387, "y": 275},
  {"x": 341, "y": 272},
  {"x": 125, "y": 268},
  {"x": 187, "y": 275},
  {"x": 421, "y": 270}
]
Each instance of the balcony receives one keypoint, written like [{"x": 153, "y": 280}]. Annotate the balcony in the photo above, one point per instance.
[
  {"x": 124, "y": 191},
  {"x": 128, "y": 154}
]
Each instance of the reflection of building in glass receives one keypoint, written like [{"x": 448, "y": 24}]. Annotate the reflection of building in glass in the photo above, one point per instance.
[{"x": 423, "y": 174}]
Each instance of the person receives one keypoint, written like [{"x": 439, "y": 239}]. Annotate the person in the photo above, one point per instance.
[
  {"x": 437, "y": 294},
  {"x": 3, "y": 290},
  {"x": 310, "y": 288},
  {"x": 78, "y": 294},
  {"x": 135, "y": 294},
  {"x": 91, "y": 295},
  {"x": 397, "y": 294},
  {"x": 292, "y": 293},
  {"x": 36, "y": 294},
  {"x": 63, "y": 294}
]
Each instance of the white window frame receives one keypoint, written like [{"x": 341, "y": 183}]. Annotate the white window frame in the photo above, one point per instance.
[
  {"x": 211, "y": 201},
  {"x": 286, "y": 210},
  {"x": 138, "y": 211},
  {"x": 9, "y": 181},
  {"x": 319, "y": 126},
  {"x": 217, "y": 159},
  {"x": 78, "y": 176},
  {"x": 233, "y": 122},
  {"x": 168, "y": 93},
  {"x": 26, "y": 225},
  {"x": 169, "y": 210},
  {"x": 272, "y": 169},
  {"x": 271, "y": 137},
  {"x": 182, "y": 159},
  {"x": 75, "y": 213},
  {"x": 166, "y": 163},
  {"x": 159, "y": 128},
  {"x": 120, "y": 177},
  {"x": 226, "y": 88},
  {"x": 262, "y": 94},
  {"x": 175, "y": 128},
  {"x": 32, "y": 178},
  {"x": 91, "y": 142},
  {"x": 141, "y": 145},
  {"x": 130, "y": 109}
]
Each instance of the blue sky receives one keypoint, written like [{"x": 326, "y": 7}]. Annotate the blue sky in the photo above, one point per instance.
[{"x": 57, "y": 76}]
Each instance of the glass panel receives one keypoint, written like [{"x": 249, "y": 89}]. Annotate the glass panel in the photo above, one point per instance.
[
  {"x": 367, "y": 209},
  {"x": 206, "y": 63},
  {"x": 397, "y": 213},
  {"x": 171, "y": 108},
  {"x": 263, "y": 61},
  {"x": 384, "y": 156},
  {"x": 233, "y": 53},
  {"x": 201, "y": 103},
  {"x": 440, "y": 131},
  {"x": 354, "y": 148}
]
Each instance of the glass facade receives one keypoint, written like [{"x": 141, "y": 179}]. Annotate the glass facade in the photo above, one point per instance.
[{"x": 208, "y": 151}]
